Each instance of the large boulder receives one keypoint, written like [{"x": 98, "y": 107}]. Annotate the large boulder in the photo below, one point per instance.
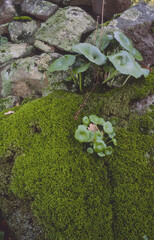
[
  {"x": 66, "y": 27},
  {"x": 38, "y": 8},
  {"x": 110, "y": 7},
  {"x": 7, "y": 11},
  {"x": 137, "y": 24}
]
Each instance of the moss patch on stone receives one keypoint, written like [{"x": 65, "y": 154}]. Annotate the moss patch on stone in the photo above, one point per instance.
[{"x": 73, "y": 194}]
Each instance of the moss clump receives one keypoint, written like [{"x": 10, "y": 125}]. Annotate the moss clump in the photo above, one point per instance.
[
  {"x": 22, "y": 18},
  {"x": 74, "y": 195}
]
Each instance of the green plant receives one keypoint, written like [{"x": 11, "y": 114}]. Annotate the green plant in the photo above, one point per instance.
[
  {"x": 98, "y": 134},
  {"x": 123, "y": 62}
]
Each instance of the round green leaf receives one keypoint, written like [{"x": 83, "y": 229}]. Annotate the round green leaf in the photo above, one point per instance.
[
  {"x": 108, "y": 128},
  {"x": 99, "y": 146},
  {"x": 94, "y": 119},
  {"x": 98, "y": 135},
  {"x": 91, "y": 136},
  {"x": 62, "y": 63},
  {"x": 114, "y": 141},
  {"x": 91, "y": 52},
  {"x": 86, "y": 120},
  {"x": 82, "y": 134},
  {"x": 101, "y": 121},
  {"x": 90, "y": 150},
  {"x": 137, "y": 55},
  {"x": 126, "y": 64},
  {"x": 109, "y": 150},
  {"x": 112, "y": 135},
  {"x": 124, "y": 41},
  {"x": 80, "y": 66},
  {"x": 101, "y": 154}
]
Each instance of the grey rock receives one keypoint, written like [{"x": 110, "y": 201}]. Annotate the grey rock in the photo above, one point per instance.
[
  {"x": 10, "y": 51},
  {"x": 7, "y": 11},
  {"x": 65, "y": 28},
  {"x": 57, "y": 2},
  {"x": 4, "y": 29},
  {"x": 23, "y": 31},
  {"x": 143, "y": 104},
  {"x": 137, "y": 24},
  {"x": 80, "y": 3},
  {"x": 111, "y": 7},
  {"x": 39, "y": 8},
  {"x": 26, "y": 77},
  {"x": 43, "y": 47}
]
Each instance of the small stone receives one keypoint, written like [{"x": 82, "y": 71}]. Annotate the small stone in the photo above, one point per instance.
[{"x": 39, "y": 8}]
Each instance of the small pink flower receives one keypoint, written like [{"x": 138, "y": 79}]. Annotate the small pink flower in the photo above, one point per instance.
[{"x": 92, "y": 127}]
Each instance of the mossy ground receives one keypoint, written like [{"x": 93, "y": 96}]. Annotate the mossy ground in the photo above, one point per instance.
[{"x": 75, "y": 195}]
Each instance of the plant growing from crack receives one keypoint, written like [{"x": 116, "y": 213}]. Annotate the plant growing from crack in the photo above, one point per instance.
[
  {"x": 123, "y": 62},
  {"x": 98, "y": 134}
]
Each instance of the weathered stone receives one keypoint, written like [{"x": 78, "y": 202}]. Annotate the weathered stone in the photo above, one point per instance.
[
  {"x": 137, "y": 24},
  {"x": 57, "y": 2},
  {"x": 66, "y": 27},
  {"x": 11, "y": 51},
  {"x": 23, "y": 31},
  {"x": 4, "y": 29},
  {"x": 26, "y": 76},
  {"x": 111, "y": 7},
  {"x": 7, "y": 11},
  {"x": 17, "y": 2},
  {"x": 80, "y": 3},
  {"x": 38, "y": 8},
  {"x": 43, "y": 47}
]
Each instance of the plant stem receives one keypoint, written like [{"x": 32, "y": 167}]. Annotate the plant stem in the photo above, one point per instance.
[
  {"x": 101, "y": 34},
  {"x": 80, "y": 82},
  {"x": 72, "y": 77}
]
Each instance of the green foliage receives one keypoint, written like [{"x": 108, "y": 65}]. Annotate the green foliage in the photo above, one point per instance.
[
  {"x": 98, "y": 134},
  {"x": 123, "y": 62},
  {"x": 1, "y": 235},
  {"x": 22, "y": 18}
]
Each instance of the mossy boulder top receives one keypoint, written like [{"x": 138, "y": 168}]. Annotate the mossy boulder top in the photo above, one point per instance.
[{"x": 66, "y": 27}]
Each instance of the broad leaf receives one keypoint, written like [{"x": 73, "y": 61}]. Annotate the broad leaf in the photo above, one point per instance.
[
  {"x": 137, "y": 55},
  {"x": 82, "y": 134},
  {"x": 124, "y": 41},
  {"x": 91, "y": 52},
  {"x": 109, "y": 150},
  {"x": 126, "y": 64},
  {"x": 62, "y": 63},
  {"x": 106, "y": 39},
  {"x": 80, "y": 66},
  {"x": 108, "y": 128},
  {"x": 99, "y": 146}
]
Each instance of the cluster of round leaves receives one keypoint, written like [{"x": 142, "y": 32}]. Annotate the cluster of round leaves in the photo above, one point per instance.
[
  {"x": 97, "y": 133},
  {"x": 3, "y": 40}
]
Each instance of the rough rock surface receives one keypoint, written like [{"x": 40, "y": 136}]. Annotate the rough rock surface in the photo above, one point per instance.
[
  {"x": 10, "y": 51},
  {"x": 80, "y": 3},
  {"x": 4, "y": 29},
  {"x": 38, "y": 8},
  {"x": 137, "y": 24},
  {"x": 26, "y": 77},
  {"x": 7, "y": 11},
  {"x": 111, "y": 7},
  {"x": 65, "y": 27},
  {"x": 23, "y": 31}
]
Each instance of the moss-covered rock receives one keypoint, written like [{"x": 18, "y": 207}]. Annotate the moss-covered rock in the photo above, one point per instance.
[{"x": 73, "y": 194}]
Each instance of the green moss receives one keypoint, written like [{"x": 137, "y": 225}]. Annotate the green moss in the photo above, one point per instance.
[
  {"x": 73, "y": 194},
  {"x": 22, "y": 18}
]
